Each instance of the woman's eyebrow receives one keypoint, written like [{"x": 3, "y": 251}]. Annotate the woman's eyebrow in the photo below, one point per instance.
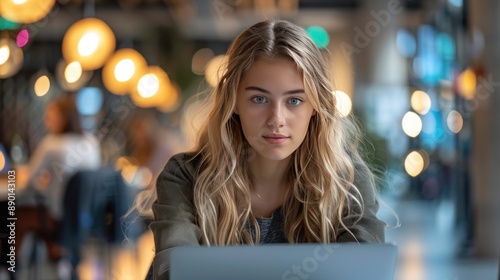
[{"x": 294, "y": 91}]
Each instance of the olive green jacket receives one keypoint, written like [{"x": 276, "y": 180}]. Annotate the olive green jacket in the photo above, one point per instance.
[{"x": 175, "y": 215}]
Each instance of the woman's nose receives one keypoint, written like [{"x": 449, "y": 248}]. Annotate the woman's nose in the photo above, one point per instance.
[{"x": 277, "y": 116}]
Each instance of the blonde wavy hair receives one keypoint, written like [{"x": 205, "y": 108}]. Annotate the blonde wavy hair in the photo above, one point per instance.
[{"x": 321, "y": 171}]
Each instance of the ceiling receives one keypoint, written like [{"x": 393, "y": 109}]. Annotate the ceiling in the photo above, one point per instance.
[{"x": 198, "y": 19}]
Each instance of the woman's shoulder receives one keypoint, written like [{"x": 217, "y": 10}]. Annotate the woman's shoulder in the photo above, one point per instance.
[
  {"x": 177, "y": 179},
  {"x": 182, "y": 164}
]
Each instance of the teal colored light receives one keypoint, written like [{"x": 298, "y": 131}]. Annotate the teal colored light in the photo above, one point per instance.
[
  {"x": 319, "y": 36},
  {"x": 6, "y": 24},
  {"x": 445, "y": 46}
]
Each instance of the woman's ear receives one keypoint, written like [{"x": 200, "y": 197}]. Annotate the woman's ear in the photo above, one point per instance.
[{"x": 313, "y": 113}]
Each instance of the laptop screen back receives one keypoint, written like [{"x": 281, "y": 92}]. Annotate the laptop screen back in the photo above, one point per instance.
[{"x": 284, "y": 261}]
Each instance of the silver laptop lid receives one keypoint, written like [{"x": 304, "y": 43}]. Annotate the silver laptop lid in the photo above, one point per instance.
[{"x": 284, "y": 261}]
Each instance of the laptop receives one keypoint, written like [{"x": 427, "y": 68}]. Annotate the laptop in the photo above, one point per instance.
[{"x": 284, "y": 261}]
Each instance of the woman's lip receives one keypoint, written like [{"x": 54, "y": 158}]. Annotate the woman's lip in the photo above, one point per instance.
[{"x": 275, "y": 140}]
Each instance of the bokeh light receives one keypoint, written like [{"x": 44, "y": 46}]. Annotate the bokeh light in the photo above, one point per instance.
[
  {"x": 420, "y": 102},
  {"x": 466, "y": 83},
  {"x": 71, "y": 77},
  {"x": 73, "y": 72},
  {"x": 216, "y": 68},
  {"x": 2, "y": 161},
  {"x": 25, "y": 11},
  {"x": 456, "y": 3},
  {"x": 22, "y": 38},
  {"x": 42, "y": 85},
  {"x": 11, "y": 58},
  {"x": 445, "y": 46},
  {"x": 412, "y": 124},
  {"x": 7, "y": 24},
  {"x": 200, "y": 60},
  {"x": 344, "y": 103},
  {"x": 89, "y": 41},
  {"x": 89, "y": 101},
  {"x": 148, "y": 85},
  {"x": 319, "y": 35},
  {"x": 406, "y": 43},
  {"x": 152, "y": 89},
  {"x": 455, "y": 121},
  {"x": 4, "y": 54},
  {"x": 174, "y": 100},
  {"x": 123, "y": 70},
  {"x": 414, "y": 163}
]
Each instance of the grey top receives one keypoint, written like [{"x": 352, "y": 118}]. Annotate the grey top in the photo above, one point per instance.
[
  {"x": 175, "y": 215},
  {"x": 271, "y": 229}
]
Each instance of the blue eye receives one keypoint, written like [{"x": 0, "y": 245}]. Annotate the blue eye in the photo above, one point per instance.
[
  {"x": 259, "y": 99},
  {"x": 295, "y": 101}
]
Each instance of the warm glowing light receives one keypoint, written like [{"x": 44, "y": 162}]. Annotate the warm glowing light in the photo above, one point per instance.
[
  {"x": 148, "y": 85},
  {"x": 216, "y": 68},
  {"x": 173, "y": 100},
  {"x": 42, "y": 85},
  {"x": 4, "y": 54},
  {"x": 152, "y": 89},
  {"x": 412, "y": 124},
  {"x": 420, "y": 102},
  {"x": 455, "y": 121},
  {"x": 121, "y": 163},
  {"x": 71, "y": 77},
  {"x": 88, "y": 44},
  {"x": 467, "y": 84},
  {"x": 123, "y": 70},
  {"x": 25, "y": 11},
  {"x": 2, "y": 161},
  {"x": 11, "y": 58},
  {"x": 89, "y": 41},
  {"x": 73, "y": 72},
  {"x": 344, "y": 103},
  {"x": 414, "y": 164}
]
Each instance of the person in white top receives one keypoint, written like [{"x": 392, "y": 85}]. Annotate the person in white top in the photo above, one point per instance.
[{"x": 60, "y": 154}]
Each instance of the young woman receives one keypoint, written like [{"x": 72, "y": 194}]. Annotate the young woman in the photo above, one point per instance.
[
  {"x": 274, "y": 161},
  {"x": 62, "y": 152}
]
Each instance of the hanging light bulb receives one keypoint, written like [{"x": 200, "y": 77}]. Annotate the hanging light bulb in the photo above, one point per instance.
[
  {"x": 25, "y": 11},
  {"x": 42, "y": 85},
  {"x": 73, "y": 72},
  {"x": 4, "y": 54},
  {"x": 90, "y": 42},
  {"x": 71, "y": 76},
  {"x": 152, "y": 89},
  {"x": 412, "y": 124},
  {"x": 122, "y": 69},
  {"x": 11, "y": 58}
]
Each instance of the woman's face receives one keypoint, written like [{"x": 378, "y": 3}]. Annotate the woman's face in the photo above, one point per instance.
[
  {"x": 54, "y": 119},
  {"x": 273, "y": 108}
]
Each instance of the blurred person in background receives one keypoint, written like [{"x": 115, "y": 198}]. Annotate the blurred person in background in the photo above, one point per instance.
[
  {"x": 274, "y": 162},
  {"x": 62, "y": 152},
  {"x": 151, "y": 144}
]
